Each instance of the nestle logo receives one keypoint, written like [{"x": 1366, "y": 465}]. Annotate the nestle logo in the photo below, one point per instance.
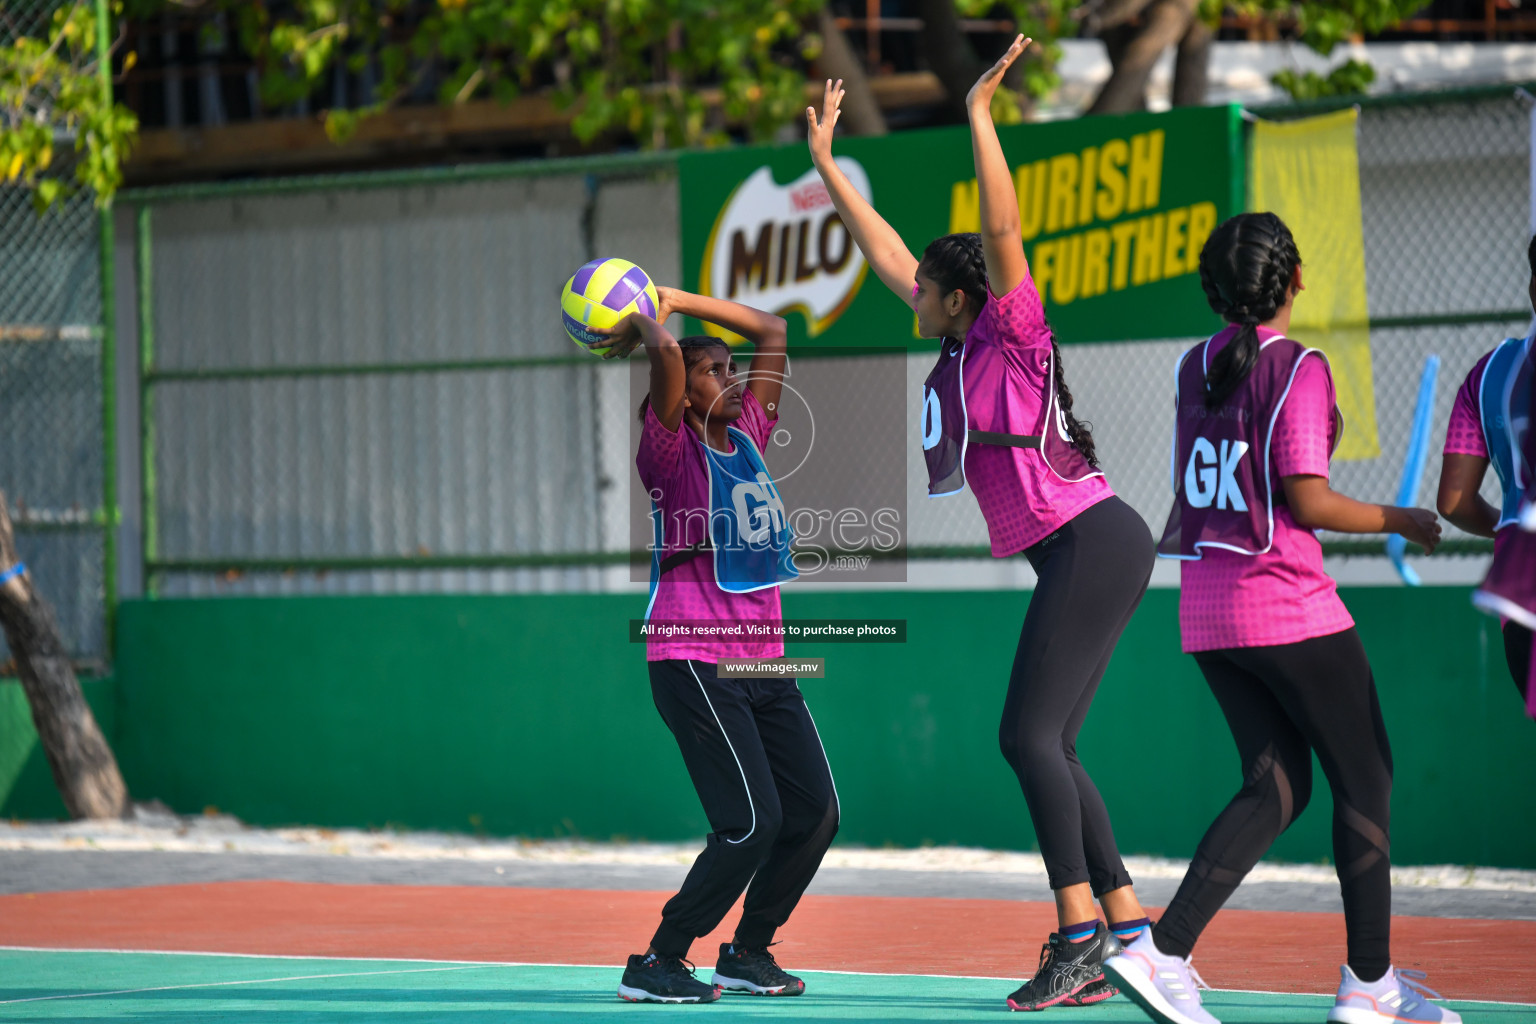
[{"x": 810, "y": 197}]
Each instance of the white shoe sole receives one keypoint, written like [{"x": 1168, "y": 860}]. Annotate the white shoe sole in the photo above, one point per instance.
[
  {"x": 1354, "y": 1015},
  {"x": 1362, "y": 1015},
  {"x": 739, "y": 985},
  {"x": 640, "y": 995},
  {"x": 1142, "y": 991}
]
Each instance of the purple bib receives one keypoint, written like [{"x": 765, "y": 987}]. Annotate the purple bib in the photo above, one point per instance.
[
  {"x": 947, "y": 429},
  {"x": 1222, "y": 490}
]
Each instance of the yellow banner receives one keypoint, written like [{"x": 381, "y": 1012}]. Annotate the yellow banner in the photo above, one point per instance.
[{"x": 1307, "y": 172}]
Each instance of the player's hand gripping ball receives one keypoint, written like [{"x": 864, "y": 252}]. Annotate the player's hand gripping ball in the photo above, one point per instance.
[{"x": 601, "y": 294}]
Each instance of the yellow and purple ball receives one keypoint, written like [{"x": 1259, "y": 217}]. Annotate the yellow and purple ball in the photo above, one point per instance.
[{"x": 601, "y": 294}]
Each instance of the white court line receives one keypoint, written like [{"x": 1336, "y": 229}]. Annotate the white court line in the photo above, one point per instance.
[
  {"x": 217, "y": 984},
  {"x": 284, "y": 956},
  {"x": 611, "y": 967}
]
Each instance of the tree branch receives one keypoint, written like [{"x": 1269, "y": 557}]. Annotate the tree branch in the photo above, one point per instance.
[
  {"x": 1165, "y": 23},
  {"x": 1097, "y": 15}
]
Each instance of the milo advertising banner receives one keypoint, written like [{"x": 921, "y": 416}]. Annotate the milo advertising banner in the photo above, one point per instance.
[{"x": 1113, "y": 212}]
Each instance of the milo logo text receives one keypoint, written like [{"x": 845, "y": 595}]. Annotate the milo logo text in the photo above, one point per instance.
[{"x": 783, "y": 248}]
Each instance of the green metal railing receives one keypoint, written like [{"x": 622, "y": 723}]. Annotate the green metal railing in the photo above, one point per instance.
[
  {"x": 107, "y": 235},
  {"x": 144, "y": 267}
]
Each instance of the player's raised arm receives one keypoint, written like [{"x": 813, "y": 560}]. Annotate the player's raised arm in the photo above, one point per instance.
[
  {"x": 882, "y": 247},
  {"x": 1006, "y": 265},
  {"x": 669, "y": 373}
]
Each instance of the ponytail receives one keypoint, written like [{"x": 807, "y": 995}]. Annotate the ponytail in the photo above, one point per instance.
[
  {"x": 1078, "y": 432},
  {"x": 1232, "y": 365},
  {"x": 1246, "y": 269},
  {"x": 958, "y": 263}
]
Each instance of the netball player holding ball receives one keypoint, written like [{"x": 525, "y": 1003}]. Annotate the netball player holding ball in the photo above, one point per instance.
[
  {"x": 998, "y": 416},
  {"x": 1255, "y": 425},
  {"x": 750, "y": 745}
]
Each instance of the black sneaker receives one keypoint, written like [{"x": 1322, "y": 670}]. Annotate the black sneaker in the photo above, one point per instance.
[
  {"x": 1093, "y": 992},
  {"x": 743, "y": 969},
  {"x": 663, "y": 979},
  {"x": 1067, "y": 970}
]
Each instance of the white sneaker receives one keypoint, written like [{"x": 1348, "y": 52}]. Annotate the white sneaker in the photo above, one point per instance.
[
  {"x": 1167, "y": 988},
  {"x": 1395, "y": 997}
]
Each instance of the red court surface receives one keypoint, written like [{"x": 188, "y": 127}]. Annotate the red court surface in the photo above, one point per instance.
[{"x": 1264, "y": 950}]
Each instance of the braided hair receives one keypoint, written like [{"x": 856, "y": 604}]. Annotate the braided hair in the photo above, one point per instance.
[
  {"x": 958, "y": 262},
  {"x": 1246, "y": 269},
  {"x": 696, "y": 348}
]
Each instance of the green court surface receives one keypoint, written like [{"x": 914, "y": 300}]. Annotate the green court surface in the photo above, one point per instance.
[{"x": 159, "y": 988}]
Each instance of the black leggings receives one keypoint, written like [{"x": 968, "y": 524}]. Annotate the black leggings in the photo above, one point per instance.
[
  {"x": 1517, "y": 652},
  {"x": 1283, "y": 703},
  {"x": 756, "y": 760},
  {"x": 1093, "y": 572}
]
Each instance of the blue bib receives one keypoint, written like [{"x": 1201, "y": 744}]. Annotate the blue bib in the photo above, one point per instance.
[
  {"x": 749, "y": 532},
  {"x": 1503, "y": 399}
]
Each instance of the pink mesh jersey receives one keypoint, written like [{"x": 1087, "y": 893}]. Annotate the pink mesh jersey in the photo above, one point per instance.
[
  {"x": 1008, "y": 375},
  {"x": 672, "y": 462},
  {"x": 1282, "y": 596},
  {"x": 1464, "y": 431}
]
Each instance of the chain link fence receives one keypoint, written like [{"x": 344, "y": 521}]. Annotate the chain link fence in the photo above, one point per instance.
[
  {"x": 51, "y": 400},
  {"x": 359, "y": 385},
  {"x": 26, "y": 18}
]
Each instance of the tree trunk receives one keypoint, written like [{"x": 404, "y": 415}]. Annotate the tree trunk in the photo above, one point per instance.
[
  {"x": 1097, "y": 16},
  {"x": 1164, "y": 23},
  {"x": 1117, "y": 40},
  {"x": 950, "y": 54},
  {"x": 861, "y": 113},
  {"x": 1192, "y": 65},
  {"x": 83, "y": 766}
]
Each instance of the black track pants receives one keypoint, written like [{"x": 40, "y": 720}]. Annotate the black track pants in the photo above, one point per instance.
[
  {"x": 1092, "y": 575},
  {"x": 1282, "y": 703},
  {"x": 757, "y": 763}
]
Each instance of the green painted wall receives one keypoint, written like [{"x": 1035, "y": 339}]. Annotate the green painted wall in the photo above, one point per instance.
[
  {"x": 530, "y": 715},
  {"x": 26, "y": 783}
]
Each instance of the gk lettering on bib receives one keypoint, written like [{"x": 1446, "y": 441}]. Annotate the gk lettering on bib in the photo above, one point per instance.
[{"x": 1211, "y": 477}]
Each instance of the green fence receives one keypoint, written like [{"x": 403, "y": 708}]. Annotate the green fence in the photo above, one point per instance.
[{"x": 57, "y": 412}]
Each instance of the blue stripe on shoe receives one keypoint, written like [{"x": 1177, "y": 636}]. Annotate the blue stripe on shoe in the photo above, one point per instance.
[{"x": 1125, "y": 931}]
